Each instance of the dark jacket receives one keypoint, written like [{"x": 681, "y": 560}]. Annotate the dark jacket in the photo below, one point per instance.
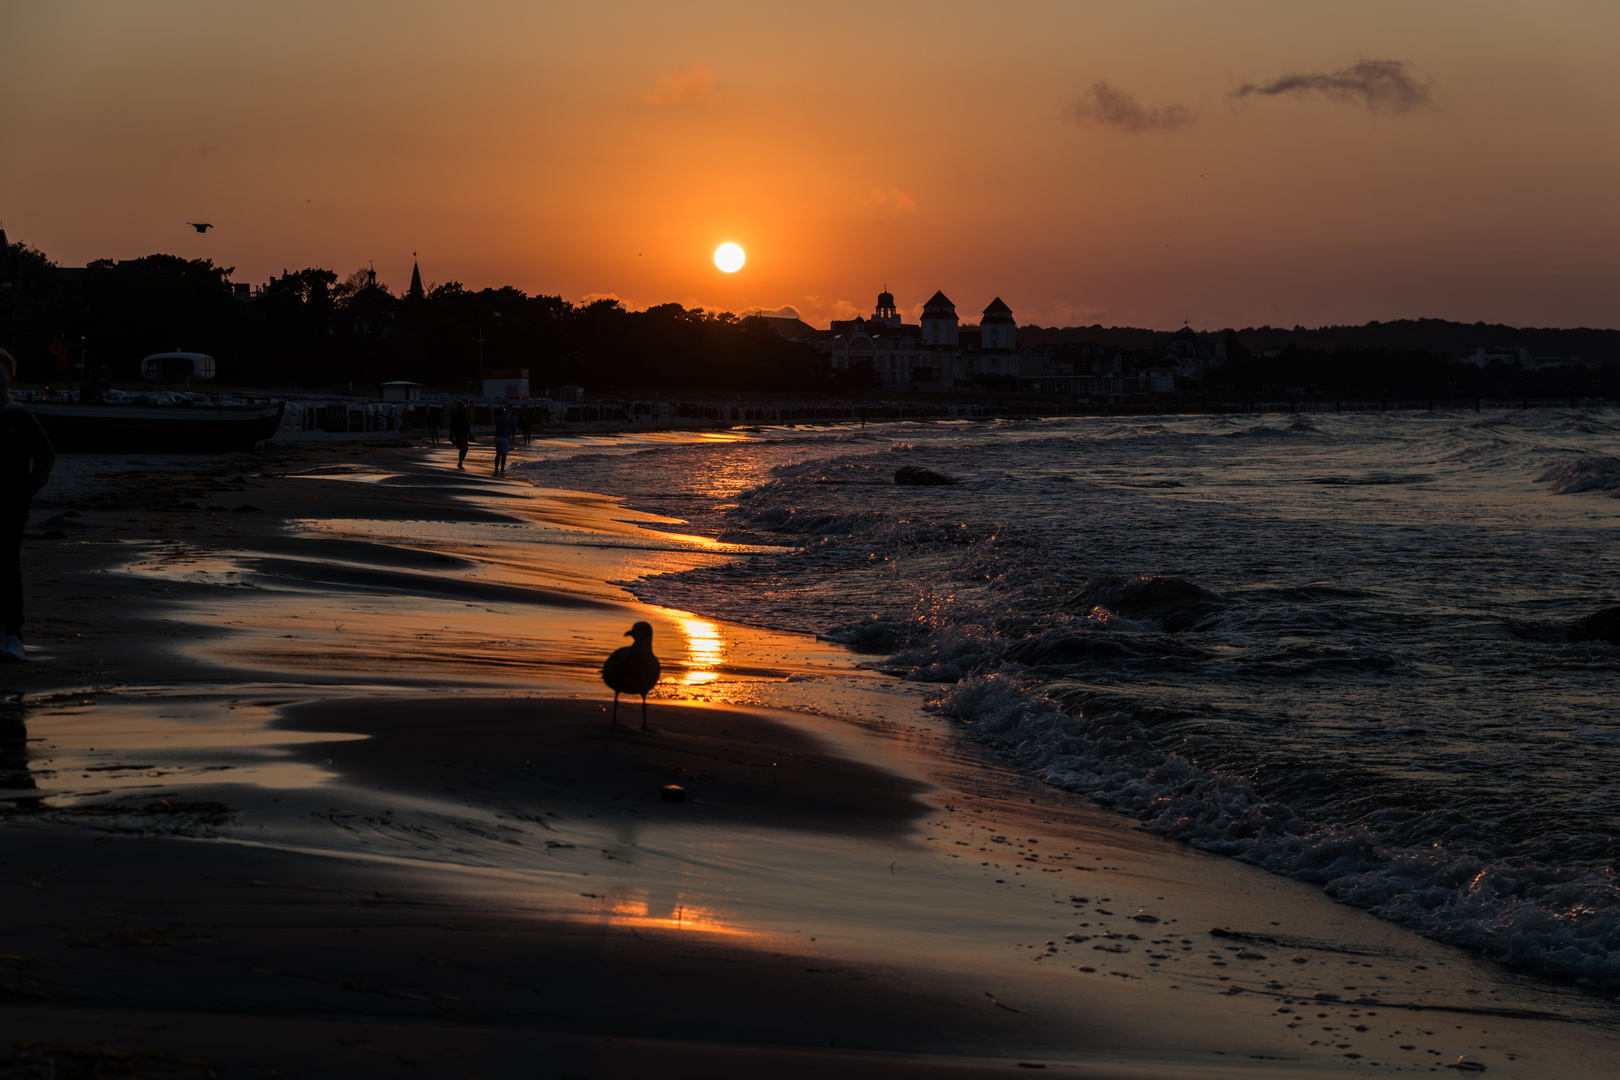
[
  {"x": 26, "y": 457},
  {"x": 460, "y": 423}
]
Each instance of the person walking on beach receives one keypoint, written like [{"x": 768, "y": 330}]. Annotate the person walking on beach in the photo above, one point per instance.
[
  {"x": 503, "y": 438},
  {"x": 460, "y": 432},
  {"x": 26, "y": 457}
]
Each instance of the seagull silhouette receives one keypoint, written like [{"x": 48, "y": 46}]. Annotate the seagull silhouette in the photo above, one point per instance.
[
  {"x": 633, "y": 670},
  {"x": 201, "y": 227}
]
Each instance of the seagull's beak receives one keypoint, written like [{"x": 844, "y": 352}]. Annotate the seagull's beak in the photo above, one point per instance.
[{"x": 629, "y": 633}]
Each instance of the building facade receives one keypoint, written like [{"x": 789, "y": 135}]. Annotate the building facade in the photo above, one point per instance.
[
  {"x": 936, "y": 353},
  {"x": 939, "y": 353}
]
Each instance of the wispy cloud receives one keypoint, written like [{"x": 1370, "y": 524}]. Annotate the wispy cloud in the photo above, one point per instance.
[
  {"x": 1102, "y": 104},
  {"x": 887, "y": 202},
  {"x": 691, "y": 84},
  {"x": 1376, "y": 85},
  {"x": 819, "y": 310}
]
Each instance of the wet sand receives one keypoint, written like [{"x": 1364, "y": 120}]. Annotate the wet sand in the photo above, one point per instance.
[{"x": 328, "y": 787}]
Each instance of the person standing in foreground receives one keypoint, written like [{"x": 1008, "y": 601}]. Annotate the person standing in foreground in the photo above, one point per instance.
[
  {"x": 26, "y": 457},
  {"x": 460, "y": 426}
]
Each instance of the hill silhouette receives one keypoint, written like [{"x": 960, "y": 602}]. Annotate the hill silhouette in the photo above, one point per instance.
[{"x": 1453, "y": 339}]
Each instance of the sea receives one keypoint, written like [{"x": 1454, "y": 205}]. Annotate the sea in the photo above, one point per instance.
[{"x": 1375, "y": 651}]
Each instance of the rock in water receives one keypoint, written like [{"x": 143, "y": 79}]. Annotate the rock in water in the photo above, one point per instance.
[
  {"x": 918, "y": 476},
  {"x": 672, "y": 793},
  {"x": 1599, "y": 626}
]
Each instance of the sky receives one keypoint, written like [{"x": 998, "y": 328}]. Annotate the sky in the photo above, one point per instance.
[{"x": 1142, "y": 163}]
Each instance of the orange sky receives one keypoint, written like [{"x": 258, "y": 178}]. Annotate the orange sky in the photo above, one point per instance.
[{"x": 1086, "y": 162}]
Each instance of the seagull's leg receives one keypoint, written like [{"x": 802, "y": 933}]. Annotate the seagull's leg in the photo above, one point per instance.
[
  {"x": 643, "y": 712},
  {"x": 615, "y": 709}
]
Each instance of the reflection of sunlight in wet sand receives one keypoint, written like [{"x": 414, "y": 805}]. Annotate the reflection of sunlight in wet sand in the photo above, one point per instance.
[
  {"x": 705, "y": 650},
  {"x": 82, "y": 751},
  {"x": 636, "y": 912}
]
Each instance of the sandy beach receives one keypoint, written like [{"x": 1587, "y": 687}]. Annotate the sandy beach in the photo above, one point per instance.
[{"x": 312, "y": 774}]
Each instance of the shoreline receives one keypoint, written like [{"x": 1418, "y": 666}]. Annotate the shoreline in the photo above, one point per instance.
[
  {"x": 220, "y": 675},
  {"x": 833, "y": 412}
]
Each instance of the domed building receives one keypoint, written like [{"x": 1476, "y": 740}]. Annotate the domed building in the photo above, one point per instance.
[
  {"x": 885, "y": 315},
  {"x": 885, "y": 345},
  {"x": 937, "y": 353}
]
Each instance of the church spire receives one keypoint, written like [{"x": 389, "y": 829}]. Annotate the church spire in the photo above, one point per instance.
[{"x": 416, "y": 292}]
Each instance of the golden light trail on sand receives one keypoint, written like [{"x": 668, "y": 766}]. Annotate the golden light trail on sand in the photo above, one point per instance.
[
  {"x": 705, "y": 650},
  {"x": 634, "y": 911}
]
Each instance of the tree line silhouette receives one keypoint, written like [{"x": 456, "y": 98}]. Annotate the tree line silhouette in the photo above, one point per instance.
[
  {"x": 308, "y": 328},
  {"x": 1387, "y": 374}
]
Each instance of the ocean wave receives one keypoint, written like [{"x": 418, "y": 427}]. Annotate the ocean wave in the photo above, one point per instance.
[
  {"x": 1370, "y": 480},
  {"x": 1298, "y": 426},
  {"x": 1170, "y": 603},
  {"x": 1583, "y": 474},
  {"x": 1347, "y": 687},
  {"x": 1560, "y": 921}
]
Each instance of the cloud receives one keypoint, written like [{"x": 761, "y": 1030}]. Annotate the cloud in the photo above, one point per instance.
[
  {"x": 1103, "y": 104},
  {"x": 819, "y": 311},
  {"x": 1378, "y": 85},
  {"x": 690, "y": 85},
  {"x": 786, "y": 311},
  {"x": 888, "y": 202}
]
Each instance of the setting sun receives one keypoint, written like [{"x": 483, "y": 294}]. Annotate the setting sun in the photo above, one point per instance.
[{"x": 729, "y": 257}]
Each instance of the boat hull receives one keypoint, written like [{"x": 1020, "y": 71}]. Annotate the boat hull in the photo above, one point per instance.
[{"x": 167, "y": 429}]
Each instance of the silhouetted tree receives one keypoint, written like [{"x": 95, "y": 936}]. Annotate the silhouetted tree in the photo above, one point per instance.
[{"x": 30, "y": 307}]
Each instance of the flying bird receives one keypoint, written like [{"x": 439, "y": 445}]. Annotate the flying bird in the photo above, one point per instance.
[
  {"x": 633, "y": 669},
  {"x": 201, "y": 226}
]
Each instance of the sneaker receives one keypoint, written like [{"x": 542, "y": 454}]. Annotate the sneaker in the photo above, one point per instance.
[{"x": 12, "y": 649}]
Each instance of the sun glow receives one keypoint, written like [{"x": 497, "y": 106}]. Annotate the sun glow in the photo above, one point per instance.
[{"x": 729, "y": 257}]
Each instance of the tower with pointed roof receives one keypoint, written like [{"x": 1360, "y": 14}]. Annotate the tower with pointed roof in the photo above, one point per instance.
[
  {"x": 416, "y": 292},
  {"x": 997, "y": 329},
  {"x": 939, "y": 321}
]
